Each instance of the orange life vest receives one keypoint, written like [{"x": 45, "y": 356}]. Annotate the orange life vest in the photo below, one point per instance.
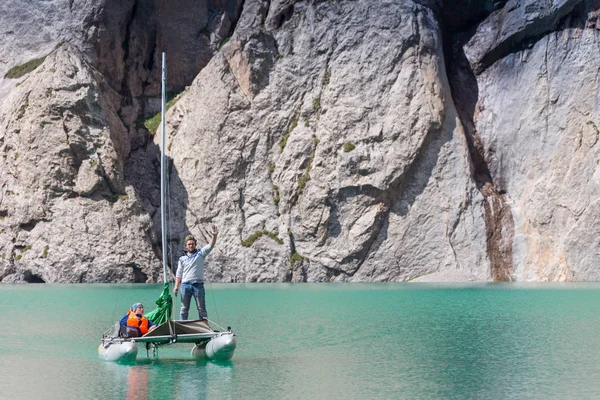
[{"x": 137, "y": 322}]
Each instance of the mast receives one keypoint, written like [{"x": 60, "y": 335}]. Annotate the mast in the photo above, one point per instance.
[{"x": 163, "y": 166}]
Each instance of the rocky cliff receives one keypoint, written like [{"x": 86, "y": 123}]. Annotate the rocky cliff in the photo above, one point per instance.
[{"x": 337, "y": 140}]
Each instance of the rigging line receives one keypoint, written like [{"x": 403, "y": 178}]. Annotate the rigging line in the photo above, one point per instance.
[
  {"x": 169, "y": 161},
  {"x": 163, "y": 180},
  {"x": 170, "y": 242},
  {"x": 114, "y": 326},
  {"x": 217, "y": 325},
  {"x": 212, "y": 292},
  {"x": 162, "y": 165},
  {"x": 168, "y": 189},
  {"x": 172, "y": 256},
  {"x": 167, "y": 184}
]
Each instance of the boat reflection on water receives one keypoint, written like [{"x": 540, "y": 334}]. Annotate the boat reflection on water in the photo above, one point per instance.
[
  {"x": 170, "y": 378},
  {"x": 137, "y": 383}
]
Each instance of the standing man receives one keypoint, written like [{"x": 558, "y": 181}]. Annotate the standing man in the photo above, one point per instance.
[{"x": 190, "y": 275}]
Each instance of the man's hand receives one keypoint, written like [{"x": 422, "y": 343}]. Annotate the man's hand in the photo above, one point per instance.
[
  {"x": 214, "y": 232},
  {"x": 176, "y": 287}
]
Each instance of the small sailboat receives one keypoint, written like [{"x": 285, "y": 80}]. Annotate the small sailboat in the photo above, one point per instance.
[{"x": 209, "y": 344}]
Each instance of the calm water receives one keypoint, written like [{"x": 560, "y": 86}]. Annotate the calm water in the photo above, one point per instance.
[{"x": 296, "y": 341}]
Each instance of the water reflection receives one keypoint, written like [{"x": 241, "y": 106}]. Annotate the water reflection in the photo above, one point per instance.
[
  {"x": 137, "y": 383},
  {"x": 168, "y": 378}
]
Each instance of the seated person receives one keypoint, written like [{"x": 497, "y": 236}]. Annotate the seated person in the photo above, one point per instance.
[{"x": 134, "y": 324}]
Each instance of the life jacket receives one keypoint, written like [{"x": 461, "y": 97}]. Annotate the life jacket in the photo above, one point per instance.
[{"x": 134, "y": 321}]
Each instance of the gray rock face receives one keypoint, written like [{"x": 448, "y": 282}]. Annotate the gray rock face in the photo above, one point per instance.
[
  {"x": 270, "y": 149},
  {"x": 516, "y": 22},
  {"x": 323, "y": 138},
  {"x": 123, "y": 39},
  {"x": 66, "y": 132},
  {"x": 131, "y": 35},
  {"x": 67, "y": 215},
  {"x": 542, "y": 148}
]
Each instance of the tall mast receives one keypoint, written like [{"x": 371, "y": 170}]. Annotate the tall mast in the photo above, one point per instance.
[{"x": 163, "y": 166}]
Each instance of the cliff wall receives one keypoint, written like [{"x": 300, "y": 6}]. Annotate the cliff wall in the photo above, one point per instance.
[{"x": 329, "y": 140}]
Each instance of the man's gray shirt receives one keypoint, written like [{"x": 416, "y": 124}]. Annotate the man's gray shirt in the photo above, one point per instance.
[{"x": 190, "y": 267}]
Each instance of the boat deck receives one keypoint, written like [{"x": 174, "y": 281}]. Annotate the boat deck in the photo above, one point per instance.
[{"x": 180, "y": 332}]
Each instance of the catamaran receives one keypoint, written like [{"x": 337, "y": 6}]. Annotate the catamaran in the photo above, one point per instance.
[{"x": 208, "y": 343}]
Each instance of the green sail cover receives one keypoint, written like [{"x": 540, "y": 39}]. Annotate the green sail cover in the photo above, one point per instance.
[{"x": 164, "y": 306}]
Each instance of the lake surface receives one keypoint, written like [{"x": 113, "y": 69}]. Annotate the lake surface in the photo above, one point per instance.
[{"x": 321, "y": 341}]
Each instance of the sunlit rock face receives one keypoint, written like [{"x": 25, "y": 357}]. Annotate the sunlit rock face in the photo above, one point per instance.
[
  {"x": 68, "y": 215},
  {"x": 394, "y": 140},
  {"x": 68, "y": 210},
  {"x": 538, "y": 116},
  {"x": 331, "y": 125}
]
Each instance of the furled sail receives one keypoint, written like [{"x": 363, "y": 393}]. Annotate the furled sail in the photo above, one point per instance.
[{"x": 164, "y": 307}]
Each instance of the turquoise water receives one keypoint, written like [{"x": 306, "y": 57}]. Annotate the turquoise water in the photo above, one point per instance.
[{"x": 322, "y": 341}]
